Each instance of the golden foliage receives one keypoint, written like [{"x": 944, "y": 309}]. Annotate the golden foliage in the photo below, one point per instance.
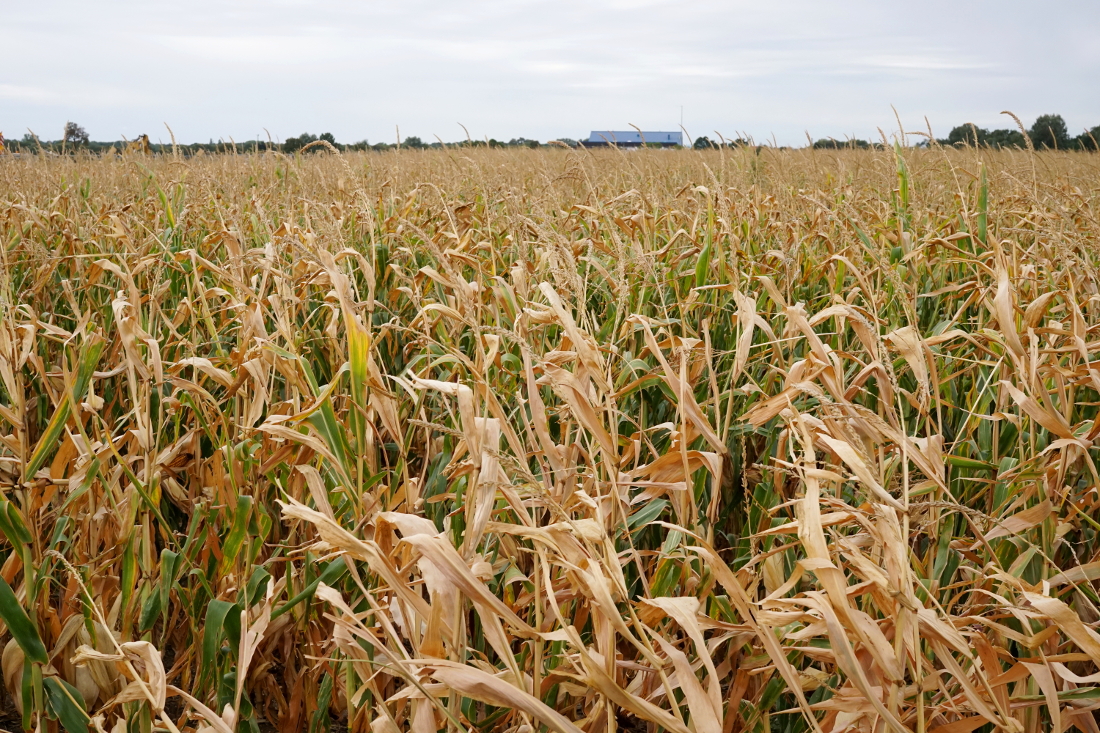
[{"x": 710, "y": 442}]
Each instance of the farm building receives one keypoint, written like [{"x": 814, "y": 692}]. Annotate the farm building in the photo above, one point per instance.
[{"x": 633, "y": 138}]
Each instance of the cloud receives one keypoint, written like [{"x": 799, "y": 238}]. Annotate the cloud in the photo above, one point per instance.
[
  {"x": 923, "y": 62},
  {"x": 543, "y": 68},
  {"x": 258, "y": 51},
  {"x": 27, "y": 94}
]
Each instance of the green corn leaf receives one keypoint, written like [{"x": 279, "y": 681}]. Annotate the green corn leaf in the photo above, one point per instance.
[
  {"x": 666, "y": 577},
  {"x": 26, "y": 692},
  {"x": 67, "y": 704},
  {"x": 319, "y": 721},
  {"x": 166, "y": 204},
  {"x": 47, "y": 444},
  {"x": 358, "y": 356},
  {"x": 12, "y": 524},
  {"x": 237, "y": 533},
  {"x": 702, "y": 266},
  {"x": 256, "y": 586},
  {"x": 970, "y": 463},
  {"x": 903, "y": 186},
  {"x": 129, "y": 572},
  {"x": 647, "y": 514},
  {"x": 1080, "y": 693},
  {"x": 20, "y": 626},
  {"x": 150, "y": 612},
  {"x": 216, "y": 614},
  {"x": 983, "y": 206},
  {"x": 169, "y": 568},
  {"x": 334, "y": 436},
  {"x": 332, "y": 573},
  {"x": 59, "y": 539}
]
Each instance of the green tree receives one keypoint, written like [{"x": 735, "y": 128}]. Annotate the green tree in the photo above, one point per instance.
[
  {"x": 1005, "y": 138},
  {"x": 1049, "y": 131},
  {"x": 413, "y": 142},
  {"x": 293, "y": 144},
  {"x": 968, "y": 134},
  {"x": 834, "y": 144},
  {"x": 703, "y": 143},
  {"x": 75, "y": 134},
  {"x": 1089, "y": 140}
]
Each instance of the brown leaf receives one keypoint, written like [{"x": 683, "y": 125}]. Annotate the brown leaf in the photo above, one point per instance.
[
  {"x": 1021, "y": 521},
  {"x": 479, "y": 685}
]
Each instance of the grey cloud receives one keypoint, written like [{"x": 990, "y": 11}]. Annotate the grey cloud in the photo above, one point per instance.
[{"x": 541, "y": 69}]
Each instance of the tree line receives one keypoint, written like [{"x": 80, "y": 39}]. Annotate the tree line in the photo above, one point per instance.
[
  {"x": 1048, "y": 132},
  {"x": 294, "y": 144},
  {"x": 75, "y": 138}
]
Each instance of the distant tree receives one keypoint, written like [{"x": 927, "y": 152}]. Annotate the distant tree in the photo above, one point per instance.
[
  {"x": 968, "y": 134},
  {"x": 1049, "y": 131},
  {"x": 413, "y": 142},
  {"x": 1005, "y": 138},
  {"x": 1089, "y": 140},
  {"x": 328, "y": 138},
  {"x": 75, "y": 134},
  {"x": 834, "y": 144},
  {"x": 703, "y": 143},
  {"x": 293, "y": 144}
]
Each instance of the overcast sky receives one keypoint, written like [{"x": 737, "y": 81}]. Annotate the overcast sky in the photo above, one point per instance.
[{"x": 774, "y": 69}]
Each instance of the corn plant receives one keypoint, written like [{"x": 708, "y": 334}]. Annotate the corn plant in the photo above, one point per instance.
[{"x": 506, "y": 440}]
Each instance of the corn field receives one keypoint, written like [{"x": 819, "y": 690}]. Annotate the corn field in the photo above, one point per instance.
[{"x": 734, "y": 441}]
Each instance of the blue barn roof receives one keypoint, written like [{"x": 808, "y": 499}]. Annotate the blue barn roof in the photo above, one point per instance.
[{"x": 633, "y": 137}]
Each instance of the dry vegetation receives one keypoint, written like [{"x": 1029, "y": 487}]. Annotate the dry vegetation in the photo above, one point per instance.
[{"x": 523, "y": 440}]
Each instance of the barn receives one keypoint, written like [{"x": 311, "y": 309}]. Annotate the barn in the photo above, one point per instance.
[{"x": 634, "y": 138}]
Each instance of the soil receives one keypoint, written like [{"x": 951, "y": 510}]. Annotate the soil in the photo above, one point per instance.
[
  {"x": 10, "y": 719},
  {"x": 12, "y": 722}
]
